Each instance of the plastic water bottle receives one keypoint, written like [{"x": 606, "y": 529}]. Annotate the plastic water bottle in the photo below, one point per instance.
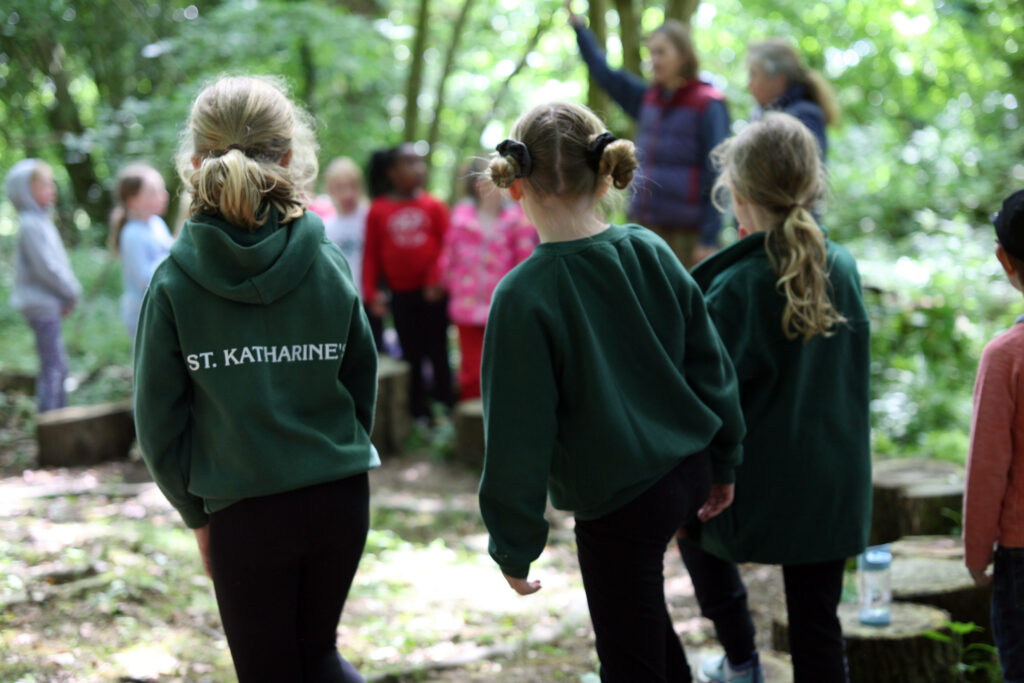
[{"x": 874, "y": 585}]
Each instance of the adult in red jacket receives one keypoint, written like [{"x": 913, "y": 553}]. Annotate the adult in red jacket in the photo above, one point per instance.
[{"x": 680, "y": 119}]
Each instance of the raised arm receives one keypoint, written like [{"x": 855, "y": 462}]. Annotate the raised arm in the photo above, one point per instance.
[{"x": 627, "y": 89}]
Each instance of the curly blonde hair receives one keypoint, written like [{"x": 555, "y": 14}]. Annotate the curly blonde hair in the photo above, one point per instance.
[
  {"x": 774, "y": 165},
  {"x": 241, "y": 132},
  {"x": 558, "y": 137}
]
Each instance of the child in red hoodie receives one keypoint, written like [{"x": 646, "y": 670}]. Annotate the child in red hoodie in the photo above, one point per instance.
[{"x": 404, "y": 235}]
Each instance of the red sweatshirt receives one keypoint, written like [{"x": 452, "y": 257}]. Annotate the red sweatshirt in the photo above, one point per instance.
[
  {"x": 403, "y": 242},
  {"x": 994, "y": 504}
]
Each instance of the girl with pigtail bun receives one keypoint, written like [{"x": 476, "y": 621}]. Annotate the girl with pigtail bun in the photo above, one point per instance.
[
  {"x": 787, "y": 303},
  {"x": 605, "y": 386},
  {"x": 256, "y": 379}
]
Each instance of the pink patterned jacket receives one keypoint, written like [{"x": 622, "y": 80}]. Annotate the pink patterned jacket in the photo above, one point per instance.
[{"x": 473, "y": 259}]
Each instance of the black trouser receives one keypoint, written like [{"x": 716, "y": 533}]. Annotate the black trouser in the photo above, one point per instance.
[
  {"x": 422, "y": 328},
  {"x": 282, "y": 568},
  {"x": 812, "y": 599},
  {"x": 376, "y": 328},
  {"x": 622, "y": 559}
]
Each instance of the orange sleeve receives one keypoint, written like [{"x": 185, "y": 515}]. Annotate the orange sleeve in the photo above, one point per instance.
[{"x": 990, "y": 455}]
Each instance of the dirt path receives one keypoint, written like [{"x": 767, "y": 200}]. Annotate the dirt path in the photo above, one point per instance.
[{"x": 101, "y": 582}]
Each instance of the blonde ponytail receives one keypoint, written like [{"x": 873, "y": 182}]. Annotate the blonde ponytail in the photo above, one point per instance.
[
  {"x": 255, "y": 151},
  {"x": 797, "y": 253},
  {"x": 774, "y": 166}
]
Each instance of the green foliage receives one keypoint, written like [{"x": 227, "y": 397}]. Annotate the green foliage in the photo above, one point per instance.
[
  {"x": 975, "y": 661},
  {"x": 931, "y": 93}
]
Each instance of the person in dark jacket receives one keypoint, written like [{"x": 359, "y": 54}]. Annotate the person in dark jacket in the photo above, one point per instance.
[
  {"x": 680, "y": 119},
  {"x": 787, "y": 303},
  {"x": 781, "y": 81}
]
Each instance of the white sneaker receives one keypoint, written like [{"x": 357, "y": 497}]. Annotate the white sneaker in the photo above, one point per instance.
[{"x": 718, "y": 670}]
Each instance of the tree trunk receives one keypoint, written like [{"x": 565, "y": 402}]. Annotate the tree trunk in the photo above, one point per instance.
[
  {"x": 392, "y": 421},
  {"x": 415, "y": 82},
  {"x": 629, "y": 29},
  {"x": 65, "y": 122},
  {"x": 914, "y": 496},
  {"x": 897, "y": 653},
  {"x": 85, "y": 435},
  {"x": 681, "y": 10},
  {"x": 449, "y": 62},
  {"x": 478, "y": 126},
  {"x": 309, "y": 74},
  {"x": 944, "y": 584},
  {"x": 469, "y": 433},
  {"x": 597, "y": 99}
]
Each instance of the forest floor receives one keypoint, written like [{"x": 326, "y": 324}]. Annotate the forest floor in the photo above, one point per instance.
[{"x": 100, "y": 581}]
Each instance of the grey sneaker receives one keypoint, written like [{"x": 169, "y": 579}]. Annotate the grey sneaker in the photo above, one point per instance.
[{"x": 717, "y": 670}]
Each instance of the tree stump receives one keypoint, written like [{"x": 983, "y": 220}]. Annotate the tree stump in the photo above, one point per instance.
[
  {"x": 933, "y": 547},
  {"x": 85, "y": 435},
  {"x": 897, "y": 653},
  {"x": 392, "y": 421},
  {"x": 914, "y": 496},
  {"x": 469, "y": 433},
  {"x": 943, "y": 583},
  {"x": 17, "y": 382}
]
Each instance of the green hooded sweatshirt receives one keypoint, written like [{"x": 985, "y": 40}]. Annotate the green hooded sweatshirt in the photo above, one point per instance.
[{"x": 255, "y": 367}]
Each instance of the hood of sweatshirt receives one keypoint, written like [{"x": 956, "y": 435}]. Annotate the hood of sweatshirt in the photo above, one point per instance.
[
  {"x": 249, "y": 267},
  {"x": 19, "y": 186}
]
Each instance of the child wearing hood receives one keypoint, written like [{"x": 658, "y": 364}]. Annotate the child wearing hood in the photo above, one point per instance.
[{"x": 45, "y": 288}]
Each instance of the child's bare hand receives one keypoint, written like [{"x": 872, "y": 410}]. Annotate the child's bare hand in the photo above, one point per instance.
[
  {"x": 522, "y": 586},
  {"x": 574, "y": 19},
  {"x": 433, "y": 293},
  {"x": 720, "y": 498},
  {"x": 203, "y": 539},
  {"x": 379, "y": 305},
  {"x": 981, "y": 578}
]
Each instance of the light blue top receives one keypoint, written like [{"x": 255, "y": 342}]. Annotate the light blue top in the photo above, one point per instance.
[{"x": 143, "y": 246}]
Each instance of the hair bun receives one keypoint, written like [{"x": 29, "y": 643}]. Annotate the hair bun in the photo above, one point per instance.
[
  {"x": 619, "y": 162},
  {"x": 503, "y": 171}
]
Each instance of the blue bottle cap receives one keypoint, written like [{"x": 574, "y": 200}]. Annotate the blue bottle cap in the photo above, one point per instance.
[{"x": 875, "y": 558}]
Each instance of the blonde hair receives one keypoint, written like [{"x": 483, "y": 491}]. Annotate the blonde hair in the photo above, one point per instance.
[
  {"x": 558, "y": 137},
  {"x": 681, "y": 38},
  {"x": 240, "y": 130},
  {"x": 342, "y": 167},
  {"x": 773, "y": 164},
  {"x": 776, "y": 56},
  {"x": 129, "y": 183}
]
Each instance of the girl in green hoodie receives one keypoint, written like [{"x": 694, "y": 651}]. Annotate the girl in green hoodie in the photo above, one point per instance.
[
  {"x": 255, "y": 374},
  {"x": 787, "y": 303}
]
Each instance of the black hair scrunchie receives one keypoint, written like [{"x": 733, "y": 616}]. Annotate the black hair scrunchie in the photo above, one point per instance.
[
  {"x": 596, "y": 149},
  {"x": 518, "y": 151}
]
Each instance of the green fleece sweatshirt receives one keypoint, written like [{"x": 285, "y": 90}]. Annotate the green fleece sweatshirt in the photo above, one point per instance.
[
  {"x": 601, "y": 372},
  {"x": 255, "y": 367},
  {"x": 803, "y": 492}
]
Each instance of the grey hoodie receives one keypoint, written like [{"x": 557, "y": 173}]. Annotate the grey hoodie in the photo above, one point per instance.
[{"x": 44, "y": 285}]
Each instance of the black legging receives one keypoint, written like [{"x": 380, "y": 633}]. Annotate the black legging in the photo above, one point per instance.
[
  {"x": 422, "y": 328},
  {"x": 282, "y": 568},
  {"x": 622, "y": 558},
  {"x": 812, "y": 598}
]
